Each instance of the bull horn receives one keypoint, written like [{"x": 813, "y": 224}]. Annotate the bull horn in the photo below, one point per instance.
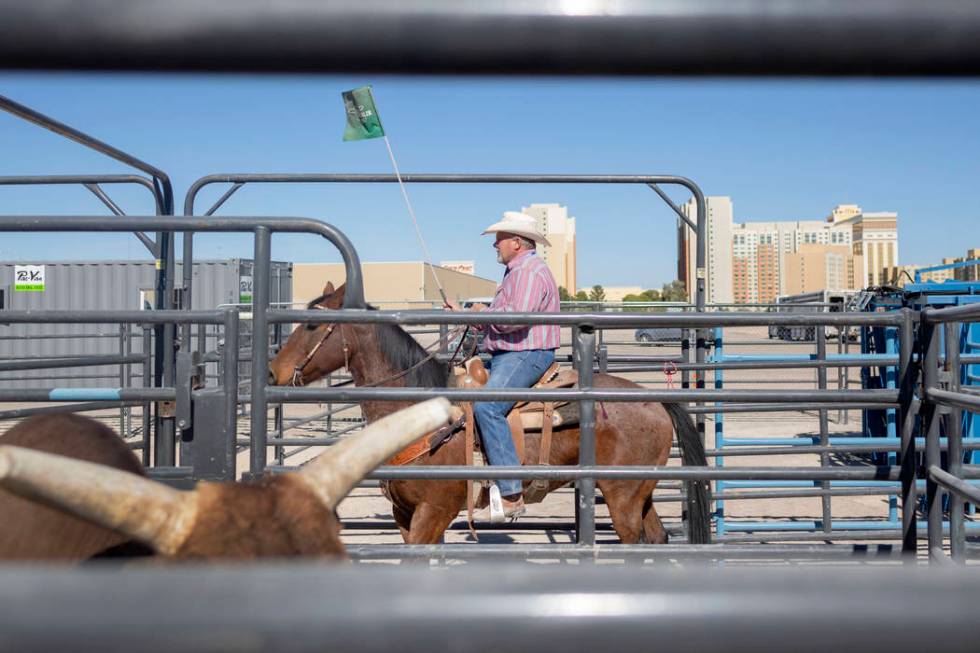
[
  {"x": 124, "y": 502},
  {"x": 336, "y": 472}
]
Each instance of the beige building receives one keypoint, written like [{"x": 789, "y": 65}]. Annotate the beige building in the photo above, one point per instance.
[
  {"x": 466, "y": 267},
  {"x": 969, "y": 272},
  {"x": 760, "y": 258},
  {"x": 553, "y": 222},
  {"x": 718, "y": 285},
  {"x": 616, "y": 293},
  {"x": 875, "y": 240},
  {"x": 392, "y": 285},
  {"x": 821, "y": 267}
]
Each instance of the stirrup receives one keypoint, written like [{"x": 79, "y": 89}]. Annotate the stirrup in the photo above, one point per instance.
[{"x": 496, "y": 508}]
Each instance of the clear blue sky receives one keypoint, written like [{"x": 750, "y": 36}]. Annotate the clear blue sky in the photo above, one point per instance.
[{"x": 782, "y": 149}]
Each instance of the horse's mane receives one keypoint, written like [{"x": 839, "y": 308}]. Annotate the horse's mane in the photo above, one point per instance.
[{"x": 402, "y": 352}]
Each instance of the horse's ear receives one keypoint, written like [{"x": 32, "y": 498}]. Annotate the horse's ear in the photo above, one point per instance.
[
  {"x": 328, "y": 289},
  {"x": 338, "y": 295}
]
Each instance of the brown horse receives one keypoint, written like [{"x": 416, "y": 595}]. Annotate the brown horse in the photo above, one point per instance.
[{"x": 636, "y": 433}]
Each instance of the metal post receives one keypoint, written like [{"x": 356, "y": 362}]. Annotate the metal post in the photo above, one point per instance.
[
  {"x": 954, "y": 453},
  {"x": 147, "y": 382},
  {"x": 907, "y": 410},
  {"x": 128, "y": 428},
  {"x": 842, "y": 372},
  {"x": 260, "y": 348},
  {"x": 820, "y": 334},
  {"x": 165, "y": 446},
  {"x": 123, "y": 374},
  {"x": 931, "y": 418},
  {"x": 229, "y": 383},
  {"x": 585, "y": 345},
  {"x": 700, "y": 276}
]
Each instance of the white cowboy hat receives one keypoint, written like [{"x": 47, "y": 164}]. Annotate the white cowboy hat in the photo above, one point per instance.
[{"x": 519, "y": 224}]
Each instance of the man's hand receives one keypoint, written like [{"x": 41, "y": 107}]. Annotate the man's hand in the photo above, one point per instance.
[{"x": 451, "y": 306}]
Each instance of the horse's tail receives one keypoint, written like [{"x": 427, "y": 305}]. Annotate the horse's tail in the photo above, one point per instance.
[{"x": 698, "y": 492}]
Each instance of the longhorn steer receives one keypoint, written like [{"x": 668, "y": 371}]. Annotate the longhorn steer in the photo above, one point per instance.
[{"x": 108, "y": 501}]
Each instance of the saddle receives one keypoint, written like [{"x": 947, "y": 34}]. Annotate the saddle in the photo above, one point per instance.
[{"x": 524, "y": 417}]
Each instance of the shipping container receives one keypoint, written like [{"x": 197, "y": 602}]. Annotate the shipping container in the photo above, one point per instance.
[{"x": 107, "y": 285}]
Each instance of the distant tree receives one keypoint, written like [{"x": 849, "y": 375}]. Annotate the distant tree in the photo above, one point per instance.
[
  {"x": 674, "y": 292},
  {"x": 564, "y": 295},
  {"x": 581, "y": 296},
  {"x": 651, "y": 295},
  {"x": 597, "y": 294}
]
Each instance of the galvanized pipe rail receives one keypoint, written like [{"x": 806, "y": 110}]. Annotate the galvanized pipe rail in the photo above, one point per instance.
[
  {"x": 261, "y": 227},
  {"x": 585, "y": 348},
  {"x": 949, "y": 404},
  {"x": 313, "y": 607}
]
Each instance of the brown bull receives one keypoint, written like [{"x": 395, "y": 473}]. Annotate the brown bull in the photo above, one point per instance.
[{"x": 95, "y": 496}]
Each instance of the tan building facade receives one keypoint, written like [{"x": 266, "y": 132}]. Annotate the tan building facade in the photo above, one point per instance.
[
  {"x": 616, "y": 293},
  {"x": 756, "y": 262},
  {"x": 875, "y": 240},
  {"x": 554, "y": 223},
  {"x": 392, "y": 285},
  {"x": 822, "y": 267},
  {"x": 718, "y": 282},
  {"x": 969, "y": 272},
  {"x": 760, "y": 257}
]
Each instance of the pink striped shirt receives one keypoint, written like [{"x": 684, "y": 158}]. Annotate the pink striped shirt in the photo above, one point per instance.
[{"x": 528, "y": 287}]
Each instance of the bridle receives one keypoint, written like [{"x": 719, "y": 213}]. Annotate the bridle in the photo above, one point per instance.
[{"x": 297, "y": 378}]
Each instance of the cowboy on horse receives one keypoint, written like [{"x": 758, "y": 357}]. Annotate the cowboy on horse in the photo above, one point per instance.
[{"x": 519, "y": 354}]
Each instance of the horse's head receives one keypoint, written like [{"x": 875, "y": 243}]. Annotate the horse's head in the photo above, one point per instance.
[{"x": 314, "y": 350}]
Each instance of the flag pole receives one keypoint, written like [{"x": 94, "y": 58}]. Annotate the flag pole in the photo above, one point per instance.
[{"x": 415, "y": 222}]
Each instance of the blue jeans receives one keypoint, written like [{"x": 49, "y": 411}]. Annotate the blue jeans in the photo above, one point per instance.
[{"x": 508, "y": 369}]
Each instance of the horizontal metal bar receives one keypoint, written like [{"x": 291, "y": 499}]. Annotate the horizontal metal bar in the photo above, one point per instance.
[
  {"x": 877, "y": 534},
  {"x": 364, "y": 552},
  {"x": 725, "y": 495},
  {"x": 970, "y": 471},
  {"x": 68, "y": 336},
  {"x": 87, "y": 394},
  {"x": 780, "y": 408},
  {"x": 568, "y": 473},
  {"x": 111, "y": 317},
  {"x": 748, "y": 447},
  {"x": 598, "y": 320},
  {"x": 353, "y": 394},
  {"x": 786, "y": 363},
  {"x": 310, "y": 606},
  {"x": 964, "y": 313},
  {"x": 70, "y": 361},
  {"x": 498, "y": 37},
  {"x": 955, "y": 485},
  {"x": 959, "y": 399},
  {"x": 18, "y": 413},
  {"x": 46, "y": 180}
]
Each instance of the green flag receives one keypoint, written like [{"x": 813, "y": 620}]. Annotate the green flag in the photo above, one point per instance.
[{"x": 363, "y": 121}]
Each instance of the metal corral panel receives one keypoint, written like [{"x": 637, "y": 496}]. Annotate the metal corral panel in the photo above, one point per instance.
[{"x": 107, "y": 285}]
